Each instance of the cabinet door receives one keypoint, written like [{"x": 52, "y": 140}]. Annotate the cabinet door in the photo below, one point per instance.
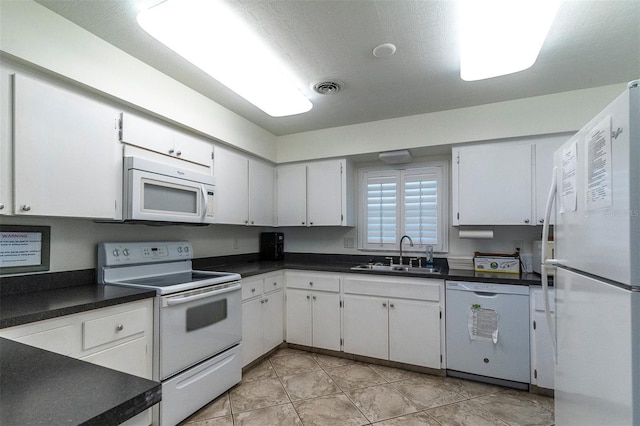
[
  {"x": 299, "y": 317},
  {"x": 414, "y": 332},
  {"x": 542, "y": 363},
  {"x": 129, "y": 357},
  {"x": 146, "y": 133},
  {"x": 493, "y": 184},
  {"x": 262, "y": 180},
  {"x": 326, "y": 320},
  {"x": 366, "y": 326},
  {"x": 6, "y": 135},
  {"x": 251, "y": 330},
  {"x": 66, "y": 158},
  {"x": 272, "y": 320},
  {"x": 292, "y": 195},
  {"x": 325, "y": 191},
  {"x": 231, "y": 171},
  {"x": 543, "y": 170}
]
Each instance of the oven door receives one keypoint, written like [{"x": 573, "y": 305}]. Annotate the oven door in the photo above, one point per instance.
[{"x": 198, "y": 324}]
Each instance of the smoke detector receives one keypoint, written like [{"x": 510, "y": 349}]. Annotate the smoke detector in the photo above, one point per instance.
[{"x": 327, "y": 87}]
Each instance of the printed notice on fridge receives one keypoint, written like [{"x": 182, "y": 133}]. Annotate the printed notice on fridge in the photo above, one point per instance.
[
  {"x": 20, "y": 249},
  {"x": 598, "y": 167},
  {"x": 568, "y": 184}
]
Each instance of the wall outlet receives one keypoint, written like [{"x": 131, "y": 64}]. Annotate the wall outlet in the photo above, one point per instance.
[
  {"x": 349, "y": 243},
  {"x": 517, "y": 246}
]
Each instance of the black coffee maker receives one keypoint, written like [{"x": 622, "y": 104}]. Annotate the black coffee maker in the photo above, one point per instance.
[{"x": 271, "y": 246}]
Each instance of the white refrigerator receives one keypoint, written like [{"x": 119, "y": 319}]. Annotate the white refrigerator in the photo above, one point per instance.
[{"x": 596, "y": 193}]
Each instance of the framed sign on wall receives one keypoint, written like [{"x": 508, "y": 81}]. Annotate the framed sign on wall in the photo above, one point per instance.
[{"x": 24, "y": 248}]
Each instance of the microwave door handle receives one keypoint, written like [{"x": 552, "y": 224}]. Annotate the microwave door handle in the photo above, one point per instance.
[
  {"x": 181, "y": 300},
  {"x": 203, "y": 193}
]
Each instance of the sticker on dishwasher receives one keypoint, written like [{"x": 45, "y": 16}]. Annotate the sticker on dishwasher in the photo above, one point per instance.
[{"x": 483, "y": 324}]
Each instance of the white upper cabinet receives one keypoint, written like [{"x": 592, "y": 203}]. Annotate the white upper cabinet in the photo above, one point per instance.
[
  {"x": 544, "y": 150},
  {"x": 318, "y": 193},
  {"x": 160, "y": 138},
  {"x": 503, "y": 183},
  {"x": 245, "y": 192},
  {"x": 66, "y": 157},
  {"x": 6, "y": 145},
  {"x": 492, "y": 184}
]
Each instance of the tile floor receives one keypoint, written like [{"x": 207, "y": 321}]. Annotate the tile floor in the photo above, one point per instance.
[{"x": 294, "y": 387}]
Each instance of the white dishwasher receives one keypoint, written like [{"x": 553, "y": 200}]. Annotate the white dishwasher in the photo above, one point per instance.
[{"x": 487, "y": 332}]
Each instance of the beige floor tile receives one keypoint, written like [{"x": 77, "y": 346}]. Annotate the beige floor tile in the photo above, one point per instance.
[
  {"x": 329, "y": 410},
  {"x": 327, "y": 361},
  {"x": 277, "y": 415},
  {"x": 381, "y": 402},
  {"x": 418, "y": 419},
  {"x": 464, "y": 413},
  {"x": 218, "y": 421},
  {"x": 287, "y": 352},
  {"x": 220, "y": 407},
  {"x": 391, "y": 374},
  {"x": 355, "y": 376},
  {"x": 471, "y": 389},
  {"x": 517, "y": 407},
  {"x": 263, "y": 370},
  {"x": 311, "y": 384},
  {"x": 257, "y": 394},
  {"x": 296, "y": 363},
  {"x": 427, "y": 393}
]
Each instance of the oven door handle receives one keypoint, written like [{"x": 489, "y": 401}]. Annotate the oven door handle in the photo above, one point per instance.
[{"x": 180, "y": 300}]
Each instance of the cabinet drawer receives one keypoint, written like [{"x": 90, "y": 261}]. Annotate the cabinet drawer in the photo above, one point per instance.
[
  {"x": 392, "y": 288},
  {"x": 273, "y": 283},
  {"x": 317, "y": 281},
  {"x": 113, "y": 327},
  {"x": 251, "y": 288}
]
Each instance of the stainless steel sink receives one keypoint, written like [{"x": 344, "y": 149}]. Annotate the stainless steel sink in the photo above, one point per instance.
[{"x": 395, "y": 268}]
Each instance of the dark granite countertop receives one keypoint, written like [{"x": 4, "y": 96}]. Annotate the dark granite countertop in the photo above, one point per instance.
[
  {"x": 17, "y": 309},
  {"x": 342, "y": 264},
  {"x": 39, "y": 387}
]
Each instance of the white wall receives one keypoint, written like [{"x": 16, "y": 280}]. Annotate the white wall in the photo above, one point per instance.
[
  {"x": 74, "y": 241},
  {"x": 556, "y": 113},
  {"x": 32, "y": 33}
]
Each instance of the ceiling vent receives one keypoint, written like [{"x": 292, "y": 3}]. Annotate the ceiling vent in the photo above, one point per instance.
[{"x": 328, "y": 87}]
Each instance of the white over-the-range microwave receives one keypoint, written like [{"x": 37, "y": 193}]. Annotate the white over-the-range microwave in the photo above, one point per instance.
[{"x": 161, "y": 192}]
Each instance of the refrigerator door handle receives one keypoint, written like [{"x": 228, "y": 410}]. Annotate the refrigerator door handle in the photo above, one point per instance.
[{"x": 550, "y": 262}]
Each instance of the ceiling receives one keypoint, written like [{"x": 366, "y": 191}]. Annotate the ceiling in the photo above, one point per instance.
[{"x": 591, "y": 43}]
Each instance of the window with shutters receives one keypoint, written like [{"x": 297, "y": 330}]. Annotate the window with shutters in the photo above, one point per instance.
[{"x": 411, "y": 201}]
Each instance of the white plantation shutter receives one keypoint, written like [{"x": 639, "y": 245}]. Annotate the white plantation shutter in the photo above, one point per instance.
[
  {"x": 381, "y": 208},
  {"x": 404, "y": 202},
  {"x": 421, "y": 206}
]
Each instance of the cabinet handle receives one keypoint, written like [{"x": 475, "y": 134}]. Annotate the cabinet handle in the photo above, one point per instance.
[
  {"x": 262, "y": 301},
  {"x": 266, "y": 300},
  {"x": 26, "y": 208},
  {"x": 246, "y": 222},
  {"x": 303, "y": 223},
  {"x": 275, "y": 283},
  {"x": 526, "y": 221},
  {"x": 541, "y": 221},
  {"x": 171, "y": 151},
  {"x": 384, "y": 305},
  {"x": 310, "y": 223},
  {"x": 252, "y": 222},
  {"x": 314, "y": 298},
  {"x": 391, "y": 305},
  {"x": 179, "y": 153},
  {"x": 119, "y": 327},
  {"x": 253, "y": 290},
  {"x": 311, "y": 283},
  {"x": 1, "y": 206},
  {"x": 308, "y": 297}
]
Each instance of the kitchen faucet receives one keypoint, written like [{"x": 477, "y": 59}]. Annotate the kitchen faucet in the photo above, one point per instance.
[{"x": 410, "y": 244}]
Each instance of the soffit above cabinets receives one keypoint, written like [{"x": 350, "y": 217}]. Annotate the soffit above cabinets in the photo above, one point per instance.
[{"x": 591, "y": 43}]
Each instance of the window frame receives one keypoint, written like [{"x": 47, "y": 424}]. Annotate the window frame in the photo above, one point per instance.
[{"x": 442, "y": 168}]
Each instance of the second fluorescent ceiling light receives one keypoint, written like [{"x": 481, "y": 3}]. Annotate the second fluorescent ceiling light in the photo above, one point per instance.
[
  {"x": 210, "y": 36},
  {"x": 499, "y": 37}
]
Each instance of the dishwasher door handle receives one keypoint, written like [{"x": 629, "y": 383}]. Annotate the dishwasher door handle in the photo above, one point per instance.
[{"x": 485, "y": 294}]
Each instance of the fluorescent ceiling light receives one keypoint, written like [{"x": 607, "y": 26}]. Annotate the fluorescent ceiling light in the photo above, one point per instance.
[
  {"x": 210, "y": 36},
  {"x": 499, "y": 37}
]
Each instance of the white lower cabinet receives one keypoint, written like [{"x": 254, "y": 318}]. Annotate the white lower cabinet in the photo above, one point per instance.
[
  {"x": 118, "y": 337},
  {"x": 397, "y": 319},
  {"x": 262, "y": 315},
  {"x": 542, "y": 363},
  {"x": 313, "y": 309}
]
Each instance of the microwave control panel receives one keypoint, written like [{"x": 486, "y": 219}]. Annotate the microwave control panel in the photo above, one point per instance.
[{"x": 210, "y": 209}]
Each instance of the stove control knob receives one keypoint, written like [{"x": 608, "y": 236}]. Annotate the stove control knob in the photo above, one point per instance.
[
  {"x": 125, "y": 252},
  {"x": 116, "y": 253},
  {"x": 186, "y": 249},
  {"x": 179, "y": 249}
]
